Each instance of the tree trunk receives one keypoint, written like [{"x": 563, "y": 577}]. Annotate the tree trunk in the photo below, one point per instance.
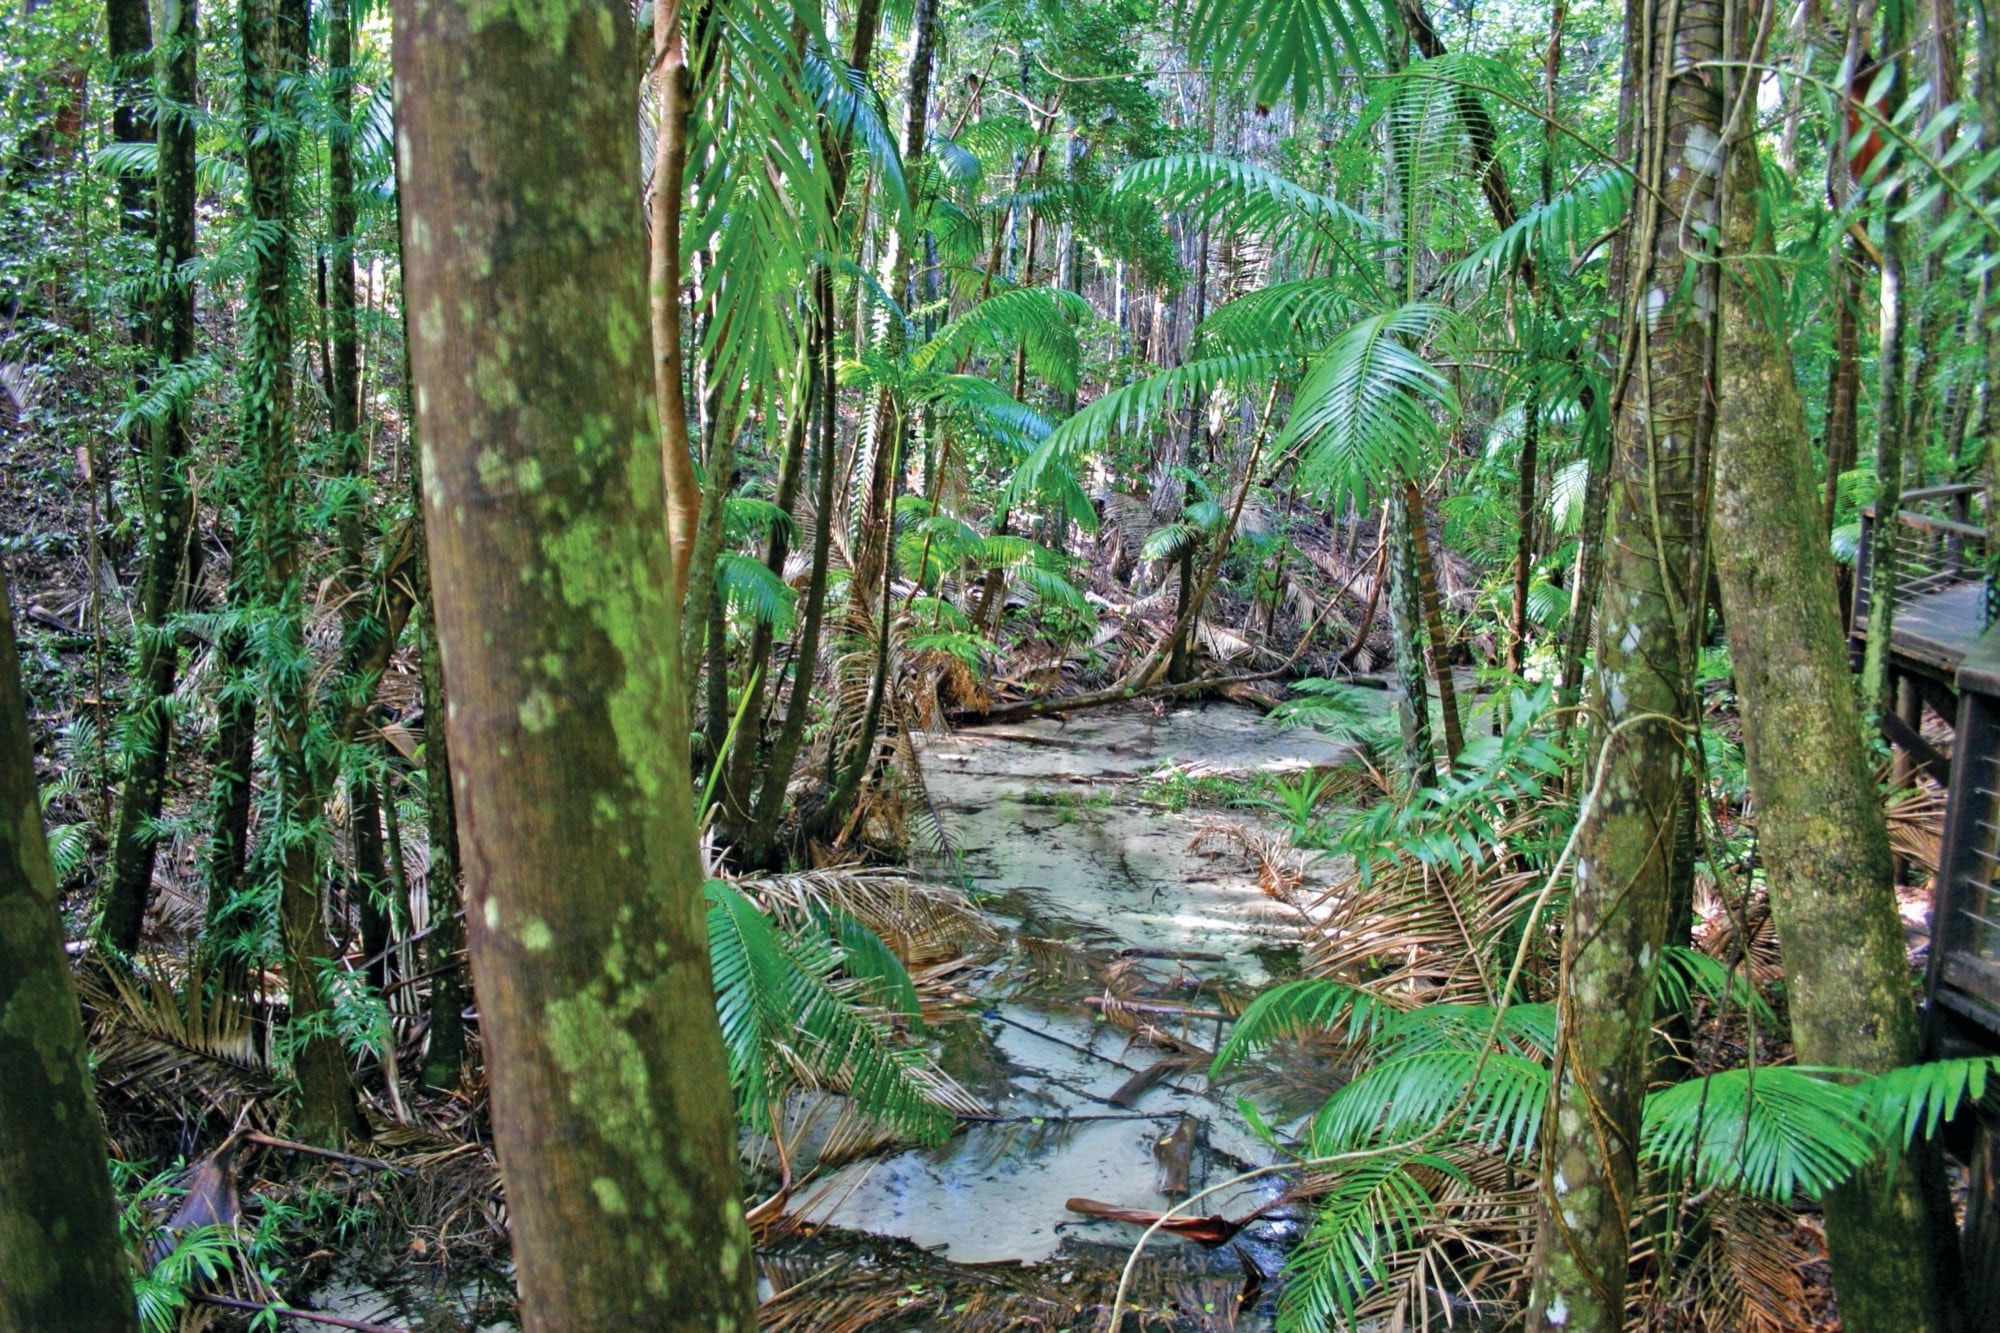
[
  {"x": 168, "y": 504},
  {"x": 1820, "y": 828},
  {"x": 1843, "y": 384},
  {"x": 1525, "y": 509},
  {"x": 273, "y": 35},
  {"x": 62, "y": 1266},
  {"x": 556, "y": 612},
  {"x": 1624, "y": 841},
  {"x": 1406, "y": 618},
  {"x": 1891, "y": 410},
  {"x": 683, "y": 497},
  {"x": 445, "y": 940},
  {"x": 1433, "y": 612},
  {"x": 129, "y": 37}
]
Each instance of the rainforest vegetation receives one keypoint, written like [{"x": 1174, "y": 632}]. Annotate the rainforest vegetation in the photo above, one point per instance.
[{"x": 989, "y": 664}]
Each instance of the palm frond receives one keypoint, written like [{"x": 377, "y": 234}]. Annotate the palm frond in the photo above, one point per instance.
[
  {"x": 1281, "y": 46},
  {"x": 1367, "y": 411},
  {"x": 1772, "y": 1132}
]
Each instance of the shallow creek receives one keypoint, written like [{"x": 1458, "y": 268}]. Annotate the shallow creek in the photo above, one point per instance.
[
  {"x": 1064, "y": 829},
  {"x": 1068, "y": 834}
]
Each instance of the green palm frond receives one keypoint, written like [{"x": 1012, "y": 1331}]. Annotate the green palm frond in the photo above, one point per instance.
[
  {"x": 1557, "y": 233},
  {"x": 1921, "y": 1097},
  {"x": 1245, "y": 197},
  {"x": 1361, "y": 1217},
  {"x": 1686, "y": 972},
  {"x": 1531, "y": 1028},
  {"x": 1041, "y": 320},
  {"x": 748, "y": 587},
  {"x": 1301, "y": 317},
  {"x": 1309, "y": 1006},
  {"x": 1772, "y": 1132},
  {"x": 1137, "y": 407},
  {"x": 1368, "y": 410},
  {"x": 1281, "y": 46},
  {"x": 788, "y": 1019},
  {"x": 1493, "y": 1097}
]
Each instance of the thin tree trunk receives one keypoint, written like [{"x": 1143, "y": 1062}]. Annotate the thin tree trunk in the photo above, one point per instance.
[
  {"x": 683, "y": 497},
  {"x": 1433, "y": 612},
  {"x": 63, "y": 1264},
  {"x": 168, "y": 506},
  {"x": 1406, "y": 618},
  {"x": 129, "y": 37},
  {"x": 445, "y": 938},
  {"x": 559, "y": 623},
  {"x": 1891, "y": 409},
  {"x": 1525, "y": 509},
  {"x": 1843, "y": 384},
  {"x": 273, "y": 34},
  {"x": 1620, "y": 891},
  {"x": 1821, "y": 834}
]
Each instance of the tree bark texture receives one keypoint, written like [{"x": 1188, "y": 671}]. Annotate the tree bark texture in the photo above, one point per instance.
[
  {"x": 1821, "y": 834},
  {"x": 1624, "y": 842},
  {"x": 62, "y": 1267},
  {"x": 557, "y": 617},
  {"x": 168, "y": 504}
]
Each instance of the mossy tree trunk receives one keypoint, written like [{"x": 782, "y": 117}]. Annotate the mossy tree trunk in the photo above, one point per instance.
[
  {"x": 1624, "y": 842},
  {"x": 544, "y": 494},
  {"x": 168, "y": 504},
  {"x": 1821, "y": 834},
  {"x": 61, "y": 1265},
  {"x": 273, "y": 35}
]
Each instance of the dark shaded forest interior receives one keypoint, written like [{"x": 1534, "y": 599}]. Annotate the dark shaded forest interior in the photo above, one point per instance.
[{"x": 1232, "y": 665}]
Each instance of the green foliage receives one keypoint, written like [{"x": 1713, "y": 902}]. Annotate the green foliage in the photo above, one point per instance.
[
  {"x": 1367, "y": 412},
  {"x": 1457, "y": 822},
  {"x": 797, "y": 1010}
]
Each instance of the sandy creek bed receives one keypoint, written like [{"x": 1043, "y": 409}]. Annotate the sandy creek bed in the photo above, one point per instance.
[{"x": 1061, "y": 829}]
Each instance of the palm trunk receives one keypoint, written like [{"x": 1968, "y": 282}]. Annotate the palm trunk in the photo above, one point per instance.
[
  {"x": 1433, "y": 613},
  {"x": 1820, "y": 829},
  {"x": 560, "y": 630},
  {"x": 1525, "y": 509},
  {"x": 169, "y": 505},
  {"x": 1891, "y": 416},
  {"x": 66, "y": 1270},
  {"x": 1406, "y": 618},
  {"x": 683, "y": 497},
  {"x": 445, "y": 940},
  {"x": 1843, "y": 384},
  {"x": 1621, "y": 884}
]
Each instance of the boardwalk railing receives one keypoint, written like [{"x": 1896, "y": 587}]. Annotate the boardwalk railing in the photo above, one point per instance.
[
  {"x": 1965, "y": 924},
  {"x": 1940, "y": 575}
]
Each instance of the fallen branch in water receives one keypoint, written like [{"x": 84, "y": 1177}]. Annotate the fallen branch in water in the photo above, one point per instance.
[{"x": 1125, "y": 693}]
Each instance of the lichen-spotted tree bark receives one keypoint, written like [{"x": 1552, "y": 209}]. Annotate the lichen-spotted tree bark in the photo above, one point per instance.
[
  {"x": 1625, "y": 837},
  {"x": 61, "y": 1266},
  {"x": 525, "y": 264},
  {"x": 1821, "y": 834},
  {"x": 168, "y": 503}
]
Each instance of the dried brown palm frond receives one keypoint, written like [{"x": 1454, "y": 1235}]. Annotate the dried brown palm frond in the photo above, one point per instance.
[
  {"x": 921, "y": 923},
  {"x": 831, "y": 1281},
  {"x": 1428, "y": 933},
  {"x": 1280, "y": 867},
  {"x": 171, "y": 1044},
  {"x": 1916, "y": 825},
  {"x": 1731, "y": 1265}
]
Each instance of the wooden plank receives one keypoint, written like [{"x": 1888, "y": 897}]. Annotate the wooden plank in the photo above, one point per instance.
[
  {"x": 1908, "y": 739},
  {"x": 1979, "y": 670}
]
